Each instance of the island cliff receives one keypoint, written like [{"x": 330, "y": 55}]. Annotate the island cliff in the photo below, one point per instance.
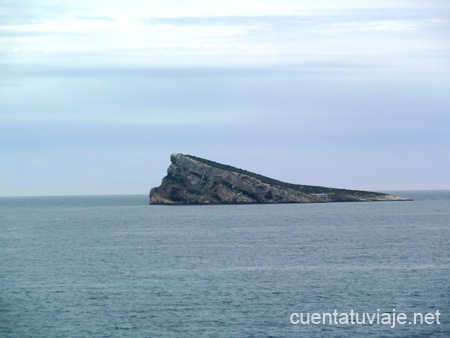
[{"x": 193, "y": 180}]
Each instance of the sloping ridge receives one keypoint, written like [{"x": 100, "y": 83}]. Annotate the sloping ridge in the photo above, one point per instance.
[{"x": 194, "y": 180}]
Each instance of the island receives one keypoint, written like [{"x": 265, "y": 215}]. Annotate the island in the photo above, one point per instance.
[{"x": 194, "y": 180}]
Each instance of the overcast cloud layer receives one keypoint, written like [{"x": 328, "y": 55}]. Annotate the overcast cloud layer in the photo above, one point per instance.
[{"x": 96, "y": 95}]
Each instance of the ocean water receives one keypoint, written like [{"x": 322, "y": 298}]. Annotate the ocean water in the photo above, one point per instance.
[{"x": 114, "y": 266}]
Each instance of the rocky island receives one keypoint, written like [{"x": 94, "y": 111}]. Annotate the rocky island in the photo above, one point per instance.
[{"x": 193, "y": 180}]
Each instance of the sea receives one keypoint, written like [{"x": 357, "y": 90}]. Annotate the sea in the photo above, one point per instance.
[{"x": 115, "y": 266}]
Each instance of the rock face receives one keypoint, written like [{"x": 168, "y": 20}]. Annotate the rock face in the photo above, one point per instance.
[{"x": 193, "y": 180}]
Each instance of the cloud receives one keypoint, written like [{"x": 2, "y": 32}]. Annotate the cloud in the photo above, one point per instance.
[
  {"x": 96, "y": 18},
  {"x": 62, "y": 36},
  {"x": 323, "y": 36},
  {"x": 319, "y": 20},
  {"x": 25, "y": 12}
]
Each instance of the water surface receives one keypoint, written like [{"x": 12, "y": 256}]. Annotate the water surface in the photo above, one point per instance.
[{"x": 113, "y": 266}]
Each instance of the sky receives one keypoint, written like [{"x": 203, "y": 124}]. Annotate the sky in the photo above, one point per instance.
[{"x": 95, "y": 95}]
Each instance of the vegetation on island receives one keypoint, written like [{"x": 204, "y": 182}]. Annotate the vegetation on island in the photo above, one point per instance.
[{"x": 307, "y": 189}]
